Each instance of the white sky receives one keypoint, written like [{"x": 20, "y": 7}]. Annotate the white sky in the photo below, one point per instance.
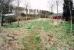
[{"x": 42, "y": 4}]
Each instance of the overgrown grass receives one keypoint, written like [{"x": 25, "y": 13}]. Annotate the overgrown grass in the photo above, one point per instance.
[{"x": 33, "y": 42}]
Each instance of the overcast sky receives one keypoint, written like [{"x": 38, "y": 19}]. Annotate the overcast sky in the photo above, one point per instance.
[{"x": 42, "y": 4}]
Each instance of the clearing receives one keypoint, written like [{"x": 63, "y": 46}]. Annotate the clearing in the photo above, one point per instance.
[{"x": 38, "y": 34}]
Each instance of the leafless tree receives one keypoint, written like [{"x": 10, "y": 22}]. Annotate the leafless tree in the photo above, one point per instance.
[
  {"x": 50, "y": 5},
  {"x": 17, "y": 11},
  {"x": 57, "y": 3},
  {"x": 26, "y": 4}
]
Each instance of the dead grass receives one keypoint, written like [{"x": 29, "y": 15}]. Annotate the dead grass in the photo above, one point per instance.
[{"x": 39, "y": 34}]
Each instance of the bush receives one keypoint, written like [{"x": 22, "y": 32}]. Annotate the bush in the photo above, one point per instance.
[
  {"x": 22, "y": 14},
  {"x": 9, "y": 19}
]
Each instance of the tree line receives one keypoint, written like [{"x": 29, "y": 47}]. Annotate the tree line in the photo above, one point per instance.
[{"x": 5, "y": 8}]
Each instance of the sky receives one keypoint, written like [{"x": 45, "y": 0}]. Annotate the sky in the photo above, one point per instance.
[{"x": 42, "y": 4}]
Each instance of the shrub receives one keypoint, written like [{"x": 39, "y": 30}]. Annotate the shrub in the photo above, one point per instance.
[{"x": 9, "y": 19}]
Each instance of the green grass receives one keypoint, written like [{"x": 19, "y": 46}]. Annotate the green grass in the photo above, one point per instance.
[{"x": 33, "y": 42}]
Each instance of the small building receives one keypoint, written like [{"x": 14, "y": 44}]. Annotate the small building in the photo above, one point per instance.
[{"x": 19, "y": 10}]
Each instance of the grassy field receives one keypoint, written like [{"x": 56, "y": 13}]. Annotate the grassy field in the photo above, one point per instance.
[{"x": 38, "y": 34}]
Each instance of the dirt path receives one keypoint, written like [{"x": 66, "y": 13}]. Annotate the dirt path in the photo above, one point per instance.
[
  {"x": 48, "y": 40},
  {"x": 12, "y": 44},
  {"x": 10, "y": 39}
]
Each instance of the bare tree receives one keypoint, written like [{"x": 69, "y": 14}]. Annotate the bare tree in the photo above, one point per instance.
[
  {"x": 52, "y": 8},
  {"x": 57, "y": 3},
  {"x": 26, "y": 7},
  {"x": 17, "y": 11}
]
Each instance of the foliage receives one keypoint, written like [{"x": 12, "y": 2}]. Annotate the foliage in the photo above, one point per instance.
[
  {"x": 4, "y": 6},
  {"x": 67, "y": 9}
]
